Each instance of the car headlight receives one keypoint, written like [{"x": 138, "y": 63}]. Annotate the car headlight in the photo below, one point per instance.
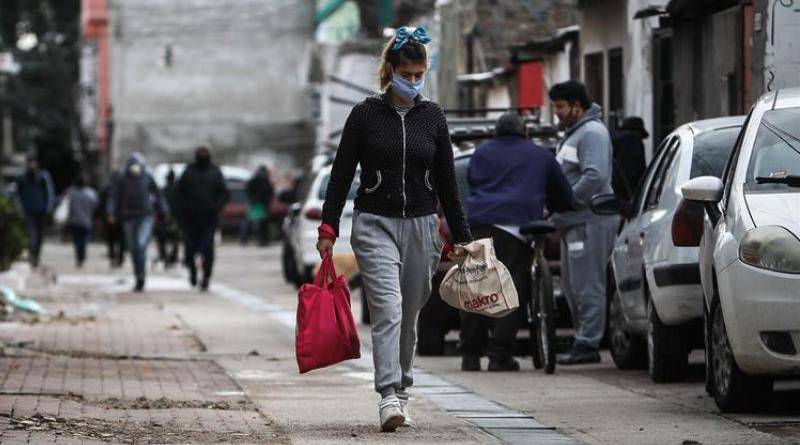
[{"x": 773, "y": 248}]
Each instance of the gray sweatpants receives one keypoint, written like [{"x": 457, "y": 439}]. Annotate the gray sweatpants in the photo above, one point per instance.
[
  {"x": 397, "y": 258},
  {"x": 585, "y": 249}
]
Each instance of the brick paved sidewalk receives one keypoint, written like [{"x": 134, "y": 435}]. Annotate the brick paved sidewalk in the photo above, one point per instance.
[{"x": 116, "y": 368}]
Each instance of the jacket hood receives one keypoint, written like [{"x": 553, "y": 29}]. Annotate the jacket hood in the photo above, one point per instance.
[
  {"x": 135, "y": 158},
  {"x": 594, "y": 113}
]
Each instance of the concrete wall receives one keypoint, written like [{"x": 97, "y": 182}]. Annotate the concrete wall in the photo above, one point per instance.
[
  {"x": 228, "y": 73},
  {"x": 556, "y": 69},
  {"x": 782, "y": 48},
  {"x": 609, "y": 24}
]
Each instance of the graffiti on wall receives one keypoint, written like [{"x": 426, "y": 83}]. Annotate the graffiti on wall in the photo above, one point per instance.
[{"x": 782, "y": 62}]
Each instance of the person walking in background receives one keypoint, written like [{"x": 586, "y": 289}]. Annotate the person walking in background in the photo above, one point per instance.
[
  {"x": 629, "y": 161},
  {"x": 167, "y": 231},
  {"x": 259, "y": 196},
  {"x": 37, "y": 196},
  {"x": 112, "y": 228},
  {"x": 199, "y": 195},
  {"x": 585, "y": 156},
  {"x": 511, "y": 179},
  {"x": 82, "y": 204},
  {"x": 402, "y": 142},
  {"x": 134, "y": 202}
]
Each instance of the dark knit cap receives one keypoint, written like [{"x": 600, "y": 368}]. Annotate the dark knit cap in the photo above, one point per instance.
[{"x": 510, "y": 124}]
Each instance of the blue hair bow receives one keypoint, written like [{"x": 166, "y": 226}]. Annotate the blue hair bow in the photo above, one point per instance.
[{"x": 404, "y": 35}]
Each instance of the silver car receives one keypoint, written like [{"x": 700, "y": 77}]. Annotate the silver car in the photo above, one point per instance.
[
  {"x": 750, "y": 256},
  {"x": 655, "y": 311}
]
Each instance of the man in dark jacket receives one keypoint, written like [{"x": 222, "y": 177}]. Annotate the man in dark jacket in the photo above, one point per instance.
[
  {"x": 134, "y": 200},
  {"x": 511, "y": 180},
  {"x": 35, "y": 192},
  {"x": 629, "y": 162},
  {"x": 112, "y": 228},
  {"x": 199, "y": 196},
  {"x": 259, "y": 196}
]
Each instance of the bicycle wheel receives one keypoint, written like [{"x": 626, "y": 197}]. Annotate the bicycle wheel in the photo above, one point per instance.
[
  {"x": 532, "y": 308},
  {"x": 545, "y": 316}
]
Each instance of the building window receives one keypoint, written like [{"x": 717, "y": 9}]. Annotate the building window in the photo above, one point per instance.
[
  {"x": 593, "y": 76},
  {"x": 616, "y": 88}
]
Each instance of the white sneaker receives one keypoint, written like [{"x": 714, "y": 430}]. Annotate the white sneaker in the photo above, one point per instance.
[
  {"x": 390, "y": 413},
  {"x": 404, "y": 409}
]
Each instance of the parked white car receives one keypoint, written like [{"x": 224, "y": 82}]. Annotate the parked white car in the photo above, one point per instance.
[
  {"x": 300, "y": 255},
  {"x": 750, "y": 256},
  {"x": 655, "y": 312}
]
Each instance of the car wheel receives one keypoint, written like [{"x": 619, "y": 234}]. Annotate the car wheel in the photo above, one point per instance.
[
  {"x": 667, "y": 349},
  {"x": 287, "y": 259},
  {"x": 628, "y": 350},
  {"x": 308, "y": 275},
  {"x": 430, "y": 337},
  {"x": 707, "y": 347},
  {"x": 733, "y": 390},
  {"x": 357, "y": 292}
]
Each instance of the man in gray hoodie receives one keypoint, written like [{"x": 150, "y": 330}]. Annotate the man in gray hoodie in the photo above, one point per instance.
[{"x": 585, "y": 156}]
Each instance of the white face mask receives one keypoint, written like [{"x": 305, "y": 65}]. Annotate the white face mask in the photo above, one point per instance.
[{"x": 135, "y": 169}]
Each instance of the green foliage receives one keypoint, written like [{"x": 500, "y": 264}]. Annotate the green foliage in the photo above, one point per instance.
[{"x": 12, "y": 233}]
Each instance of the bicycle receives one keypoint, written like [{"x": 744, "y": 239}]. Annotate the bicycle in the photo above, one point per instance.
[{"x": 541, "y": 304}]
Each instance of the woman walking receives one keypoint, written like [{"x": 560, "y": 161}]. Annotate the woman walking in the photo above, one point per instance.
[
  {"x": 403, "y": 145},
  {"x": 82, "y": 203}
]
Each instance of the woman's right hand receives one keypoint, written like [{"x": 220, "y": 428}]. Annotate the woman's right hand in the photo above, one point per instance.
[{"x": 324, "y": 245}]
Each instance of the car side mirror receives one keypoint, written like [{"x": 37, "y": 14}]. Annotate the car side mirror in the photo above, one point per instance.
[
  {"x": 705, "y": 189},
  {"x": 606, "y": 204}
]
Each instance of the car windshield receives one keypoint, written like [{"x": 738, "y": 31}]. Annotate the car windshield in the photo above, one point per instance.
[
  {"x": 323, "y": 187},
  {"x": 776, "y": 152},
  {"x": 711, "y": 151}
]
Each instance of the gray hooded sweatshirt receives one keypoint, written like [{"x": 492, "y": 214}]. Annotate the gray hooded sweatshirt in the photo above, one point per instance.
[{"x": 585, "y": 156}]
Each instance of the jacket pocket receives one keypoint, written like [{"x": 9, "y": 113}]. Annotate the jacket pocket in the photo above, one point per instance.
[
  {"x": 377, "y": 183},
  {"x": 428, "y": 180}
]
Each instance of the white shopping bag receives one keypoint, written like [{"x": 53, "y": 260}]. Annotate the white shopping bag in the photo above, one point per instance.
[
  {"x": 480, "y": 284},
  {"x": 61, "y": 213}
]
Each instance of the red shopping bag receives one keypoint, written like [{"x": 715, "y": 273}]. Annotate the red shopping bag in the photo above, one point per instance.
[{"x": 326, "y": 333}]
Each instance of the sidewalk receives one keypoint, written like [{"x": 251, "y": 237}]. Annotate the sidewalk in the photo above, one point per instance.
[
  {"x": 177, "y": 366},
  {"x": 114, "y": 367}
]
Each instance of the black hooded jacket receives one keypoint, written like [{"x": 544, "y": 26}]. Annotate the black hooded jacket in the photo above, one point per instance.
[
  {"x": 406, "y": 165},
  {"x": 200, "y": 193}
]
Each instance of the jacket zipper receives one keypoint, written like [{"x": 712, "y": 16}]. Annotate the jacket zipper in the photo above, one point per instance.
[{"x": 403, "y": 122}]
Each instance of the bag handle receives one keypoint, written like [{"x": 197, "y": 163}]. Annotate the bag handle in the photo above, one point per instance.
[{"x": 327, "y": 271}]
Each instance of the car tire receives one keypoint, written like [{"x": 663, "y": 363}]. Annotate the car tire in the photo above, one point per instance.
[
  {"x": 304, "y": 277},
  {"x": 707, "y": 348},
  {"x": 733, "y": 390},
  {"x": 430, "y": 337},
  {"x": 667, "y": 349},
  {"x": 629, "y": 351},
  {"x": 287, "y": 261},
  {"x": 357, "y": 292}
]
